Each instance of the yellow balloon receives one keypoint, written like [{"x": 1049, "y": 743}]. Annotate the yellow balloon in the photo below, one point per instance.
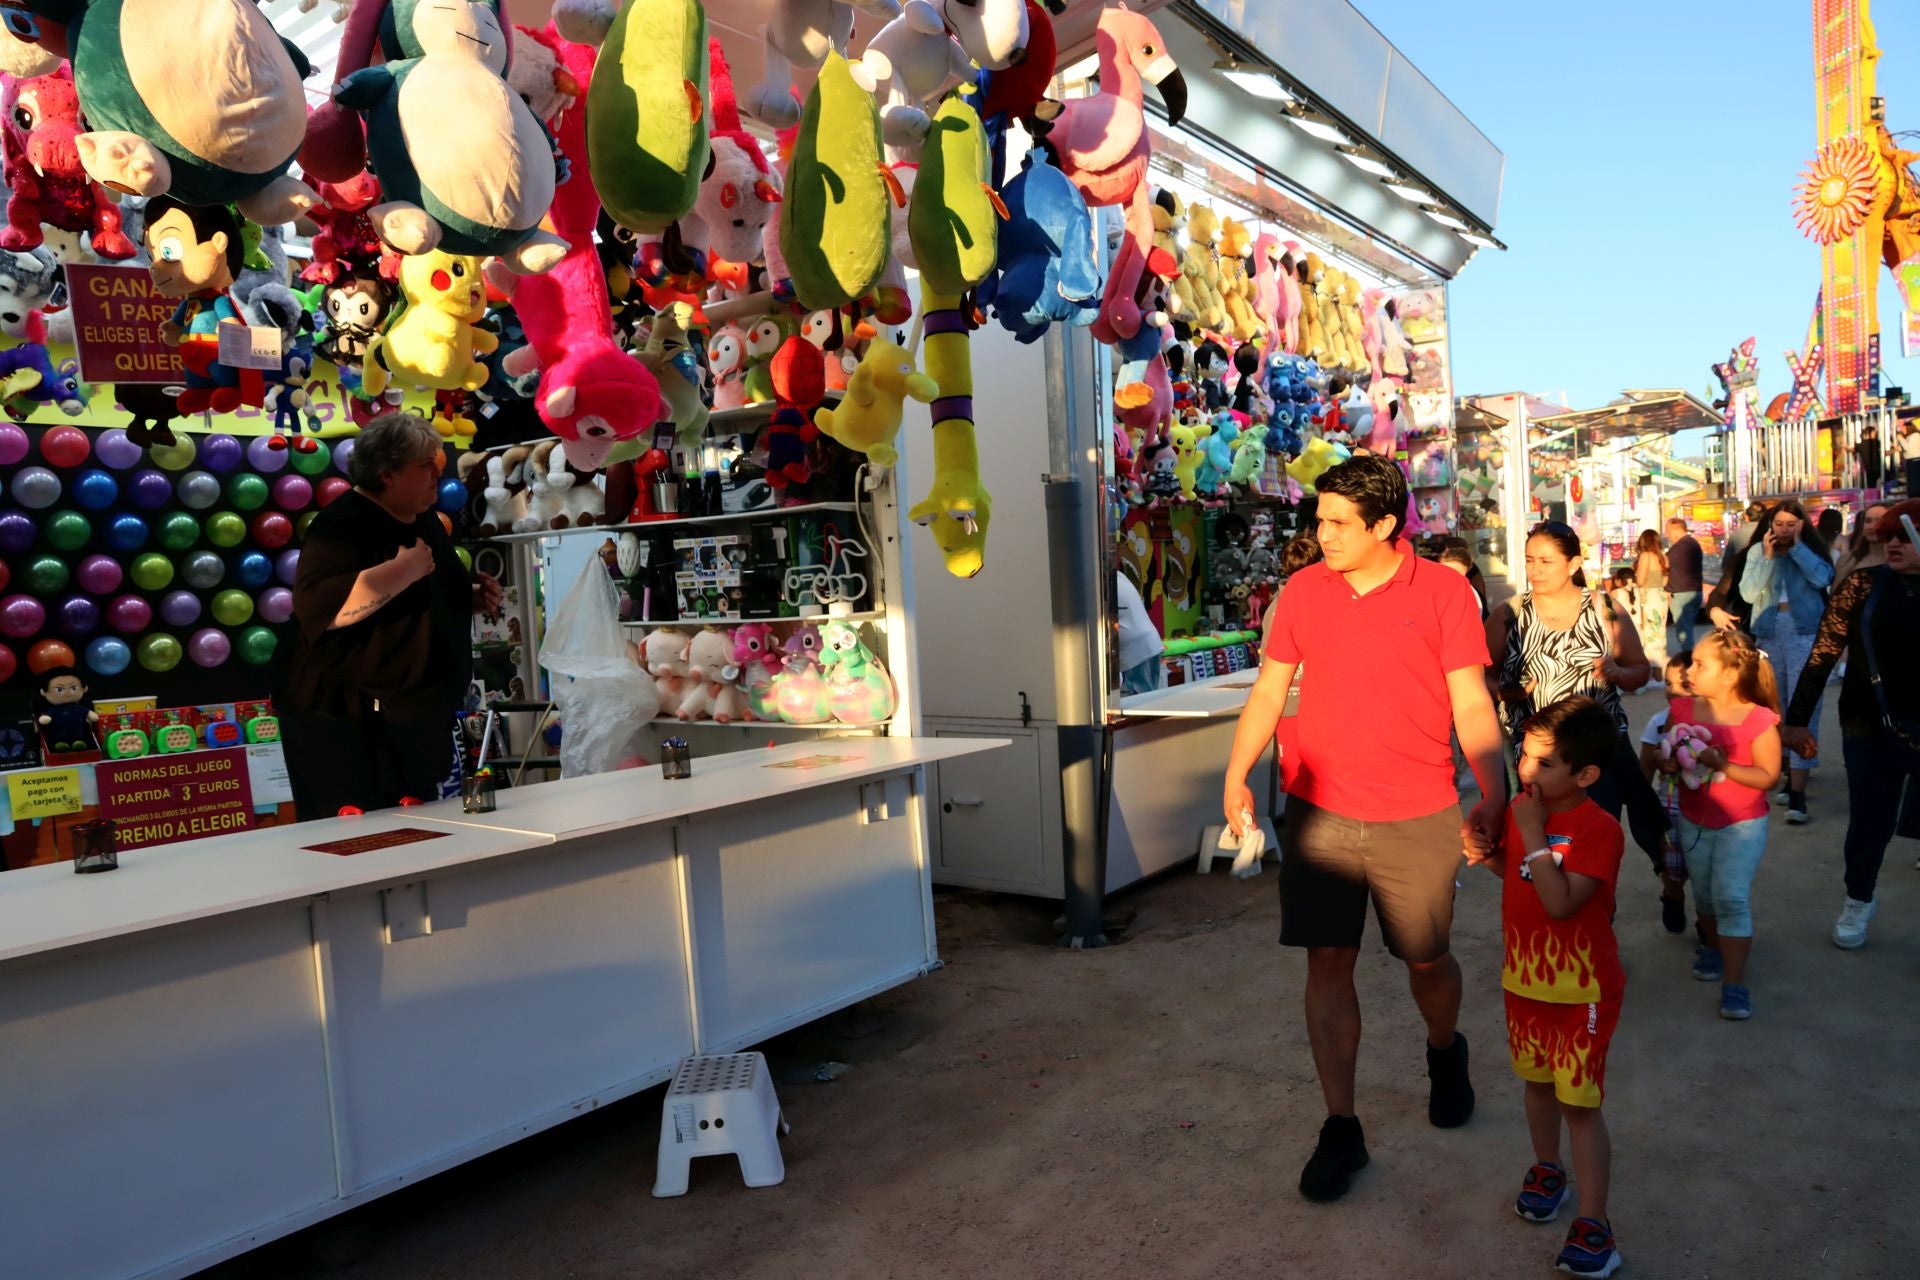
[{"x": 177, "y": 456}]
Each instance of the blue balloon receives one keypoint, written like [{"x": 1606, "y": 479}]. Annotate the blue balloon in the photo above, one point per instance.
[
  {"x": 127, "y": 532},
  {"x": 109, "y": 655},
  {"x": 95, "y": 489},
  {"x": 254, "y": 569},
  {"x": 453, "y": 496}
]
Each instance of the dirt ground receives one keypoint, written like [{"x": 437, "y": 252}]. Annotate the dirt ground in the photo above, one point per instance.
[{"x": 1144, "y": 1110}]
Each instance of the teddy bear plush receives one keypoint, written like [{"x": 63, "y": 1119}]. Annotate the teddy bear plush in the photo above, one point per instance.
[
  {"x": 1201, "y": 269},
  {"x": 1309, "y": 270},
  {"x": 1236, "y": 284}
]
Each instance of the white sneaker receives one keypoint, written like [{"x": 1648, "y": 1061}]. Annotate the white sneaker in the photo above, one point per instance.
[{"x": 1850, "y": 930}]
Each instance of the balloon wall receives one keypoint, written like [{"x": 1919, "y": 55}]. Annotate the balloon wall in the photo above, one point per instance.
[{"x": 149, "y": 568}]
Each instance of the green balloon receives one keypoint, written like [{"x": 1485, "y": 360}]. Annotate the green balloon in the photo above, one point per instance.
[
  {"x": 466, "y": 558},
  {"x": 300, "y": 525},
  {"x": 255, "y": 646},
  {"x": 158, "y": 652},
  {"x": 246, "y": 491},
  {"x": 225, "y": 529},
  {"x": 312, "y": 464},
  {"x": 179, "y": 531},
  {"x": 151, "y": 571},
  {"x": 231, "y": 608},
  {"x": 45, "y": 575},
  {"x": 66, "y": 530}
]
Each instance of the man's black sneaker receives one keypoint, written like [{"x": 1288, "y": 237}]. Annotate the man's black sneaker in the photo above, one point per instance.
[
  {"x": 1450, "y": 1094},
  {"x": 1673, "y": 914},
  {"x": 1341, "y": 1153}
]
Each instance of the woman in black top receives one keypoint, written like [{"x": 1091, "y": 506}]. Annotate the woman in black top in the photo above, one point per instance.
[
  {"x": 1881, "y": 760},
  {"x": 379, "y": 652}
]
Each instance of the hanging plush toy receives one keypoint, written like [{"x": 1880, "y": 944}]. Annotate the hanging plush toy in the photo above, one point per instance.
[
  {"x": 1101, "y": 143},
  {"x": 739, "y": 188},
  {"x": 951, "y": 191},
  {"x": 727, "y": 362},
  {"x": 346, "y": 238},
  {"x": 591, "y": 393},
  {"x": 799, "y": 384},
  {"x": 485, "y": 198},
  {"x": 1236, "y": 286},
  {"x": 868, "y": 416},
  {"x": 353, "y": 309},
  {"x": 1189, "y": 451},
  {"x": 39, "y": 120},
  {"x": 435, "y": 341},
  {"x": 669, "y": 358},
  {"x": 834, "y": 225},
  {"x": 198, "y": 99},
  {"x": 196, "y": 253},
  {"x": 800, "y": 34},
  {"x": 1047, "y": 270},
  {"x": 911, "y": 62},
  {"x": 1014, "y": 92}
]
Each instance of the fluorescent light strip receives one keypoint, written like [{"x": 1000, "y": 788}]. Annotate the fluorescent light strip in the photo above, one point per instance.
[
  {"x": 1413, "y": 195},
  {"x": 1258, "y": 84},
  {"x": 1321, "y": 130},
  {"x": 1474, "y": 237},
  {"x": 1446, "y": 220},
  {"x": 1367, "y": 164}
]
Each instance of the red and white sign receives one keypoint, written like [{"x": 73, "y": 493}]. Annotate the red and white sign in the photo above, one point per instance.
[
  {"x": 166, "y": 799},
  {"x": 117, "y": 314}
]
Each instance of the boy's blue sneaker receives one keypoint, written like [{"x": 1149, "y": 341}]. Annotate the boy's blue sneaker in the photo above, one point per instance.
[
  {"x": 1542, "y": 1194},
  {"x": 1589, "y": 1250},
  {"x": 1736, "y": 1002},
  {"x": 1706, "y": 964}
]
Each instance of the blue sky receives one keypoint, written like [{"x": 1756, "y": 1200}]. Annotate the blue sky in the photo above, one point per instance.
[{"x": 1652, "y": 150}]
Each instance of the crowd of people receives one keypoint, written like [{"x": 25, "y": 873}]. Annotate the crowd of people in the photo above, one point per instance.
[{"x": 1530, "y": 693}]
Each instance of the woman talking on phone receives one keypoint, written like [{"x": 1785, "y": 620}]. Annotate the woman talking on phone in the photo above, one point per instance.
[{"x": 1785, "y": 580}]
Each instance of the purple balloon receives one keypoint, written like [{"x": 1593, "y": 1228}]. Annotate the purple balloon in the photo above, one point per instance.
[
  {"x": 265, "y": 458},
  {"x": 287, "y": 566},
  {"x": 150, "y": 488},
  {"x": 180, "y": 609},
  {"x": 17, "y": 532},
  {"x": 343, "y": 454},
  {"x": 275, "y": 605},
  {"x": 13, "y": 444},
  {"x": 292, "y": 493},
  {"x": 21, "y": 616},
  {"x": 128, "y": 614},
  {"x": 116, "y": 451},
  {"x": 78, "y": 615},
  {"x": 99, "y": 575},
  {"x": 208, "y": 647},
  {"x": 220, "y": 452}
]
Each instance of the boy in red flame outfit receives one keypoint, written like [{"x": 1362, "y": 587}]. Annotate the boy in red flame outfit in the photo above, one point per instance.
[{"x": 1558, "y": 864}]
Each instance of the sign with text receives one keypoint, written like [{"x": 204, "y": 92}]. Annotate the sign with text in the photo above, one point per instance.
[
  {"x": 47, "y": 793},
  {"x": 164, "y": 799},
  {"x": 117, "y": 314}
]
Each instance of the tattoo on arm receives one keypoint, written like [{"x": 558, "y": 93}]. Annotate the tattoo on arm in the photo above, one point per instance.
[{"x": 347, "y": 617}]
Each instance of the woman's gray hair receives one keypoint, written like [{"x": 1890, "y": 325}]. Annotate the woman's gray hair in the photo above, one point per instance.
[{"x": 388, "y": 443}]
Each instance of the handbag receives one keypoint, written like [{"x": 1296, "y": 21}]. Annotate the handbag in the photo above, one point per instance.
[{"x": 1903, "y": 733}]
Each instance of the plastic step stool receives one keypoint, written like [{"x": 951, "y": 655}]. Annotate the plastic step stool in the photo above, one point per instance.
[{"x": 721, "y": 1104}]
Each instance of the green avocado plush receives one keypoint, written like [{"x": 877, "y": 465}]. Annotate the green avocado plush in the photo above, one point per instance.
[
  {"x": 835, "y": 224},
  {"x": 647, "y": 113},
  {"x": 954, "y": 219}
]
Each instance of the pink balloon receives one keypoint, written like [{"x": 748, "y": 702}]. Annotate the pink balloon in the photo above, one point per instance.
[
  {"x": 99, "y": 575},
  {"x": 292, "y": 493},
  {"x": 13, "y": 444},
  {"x": 21, "y": 617},
  {"x": 128, "y": 614},
  {"x": 275, "y": 605},
  {"x": 209, "y": 647}
]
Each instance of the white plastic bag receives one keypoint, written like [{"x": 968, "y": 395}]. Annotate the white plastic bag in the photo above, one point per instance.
[{"x": 603, "y": 697}]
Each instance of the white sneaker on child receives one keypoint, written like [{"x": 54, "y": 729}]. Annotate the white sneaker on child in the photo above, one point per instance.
[{"x": 1850, "y": 930}]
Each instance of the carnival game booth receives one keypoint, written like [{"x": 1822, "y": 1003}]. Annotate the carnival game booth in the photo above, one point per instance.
[{"x": 1286, "y": 252}]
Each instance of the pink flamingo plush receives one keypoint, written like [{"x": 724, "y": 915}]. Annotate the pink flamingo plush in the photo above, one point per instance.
[
  {"x": 1101, "y": 144},
  {"x": 592, "y": 394}
]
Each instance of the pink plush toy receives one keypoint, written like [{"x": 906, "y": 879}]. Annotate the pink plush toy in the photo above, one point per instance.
[
  {"x": 1267, "y": 295},
  {"x": 800, "y": 690},
  {"x": 727, "y": 360},
  {"x": 754, "y": 647},
  {"x": 716, "y": 691},
  {"x": 1684, "y": 743},
  {"x": 1101, "y": 144},
  {"x": 592, "y": 394},
  {"x": 740, "y": 189},
  {"x": 666, "y": 661}
]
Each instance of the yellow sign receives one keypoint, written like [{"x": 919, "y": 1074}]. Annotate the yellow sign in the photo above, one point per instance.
[
  {"x": 122, "y": 706},
  {"x": 43, "y": 793}
]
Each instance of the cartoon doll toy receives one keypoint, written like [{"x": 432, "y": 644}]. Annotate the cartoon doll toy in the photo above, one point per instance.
[
  {"x": 66, "y": 715},
  {"x": 195, "y": 255}
]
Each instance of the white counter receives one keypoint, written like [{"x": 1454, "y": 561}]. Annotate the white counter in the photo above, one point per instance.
[{"x": 224, "y": 1041}]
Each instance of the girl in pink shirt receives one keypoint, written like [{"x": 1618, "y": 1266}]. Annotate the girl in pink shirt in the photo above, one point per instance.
[{"x": 1723, "y": 824}]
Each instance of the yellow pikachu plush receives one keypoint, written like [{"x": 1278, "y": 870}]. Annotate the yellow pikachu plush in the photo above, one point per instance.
[
  {"x": 1189, "y": 441},
  {"x": 868, "y": 418},
  {"x": 433, "y": 342}
]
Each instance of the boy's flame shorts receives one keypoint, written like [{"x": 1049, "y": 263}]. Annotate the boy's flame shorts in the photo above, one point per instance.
[{"x": 1565, "y": 1044}]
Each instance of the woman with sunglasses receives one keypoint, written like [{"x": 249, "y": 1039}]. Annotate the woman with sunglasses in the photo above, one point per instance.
[{"x": 1559, "y": 640}]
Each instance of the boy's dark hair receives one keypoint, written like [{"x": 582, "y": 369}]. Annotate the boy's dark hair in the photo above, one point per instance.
[
  {"x": 1301, "y": 550},
  {"x": 1455, "y": 555},
  {"x": 1582, "y": 730},
  {"x": 1373, "y": 484},
  {"x": 1682, "y": 659},
  {"x": 206, "y": 220}
]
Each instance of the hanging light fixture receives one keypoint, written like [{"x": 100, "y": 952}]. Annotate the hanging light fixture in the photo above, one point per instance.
[
  {"x": 1322, "y": 130},
  {"x": 1254, "y": 82},
  {"x": 1446, "y": 220},
  {"x": 1484, "y": 241},
  {"x": 1412, "y": 195},
  {"x": 1367, "y": 164}
]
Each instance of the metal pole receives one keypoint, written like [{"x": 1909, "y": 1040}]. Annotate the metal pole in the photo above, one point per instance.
[{"x": 1079, "y": 631}]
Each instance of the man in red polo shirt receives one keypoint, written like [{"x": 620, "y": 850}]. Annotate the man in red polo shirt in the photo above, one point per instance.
[{"x": 1391, "y": 651}]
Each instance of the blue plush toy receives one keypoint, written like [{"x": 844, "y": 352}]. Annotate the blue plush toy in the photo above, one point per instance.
[
  {"x": 1047, "y": 270},
  {"x": 1220, "y": 445}
]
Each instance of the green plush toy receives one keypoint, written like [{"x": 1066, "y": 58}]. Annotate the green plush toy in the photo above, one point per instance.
[
  {"x": 646, "y": 113},
  {"x": 835, "y": 226},
  {"x": 954, "y": 219}
]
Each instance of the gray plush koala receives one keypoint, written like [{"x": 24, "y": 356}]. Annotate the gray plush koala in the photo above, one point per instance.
[{"x": 29, "y": 281}]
